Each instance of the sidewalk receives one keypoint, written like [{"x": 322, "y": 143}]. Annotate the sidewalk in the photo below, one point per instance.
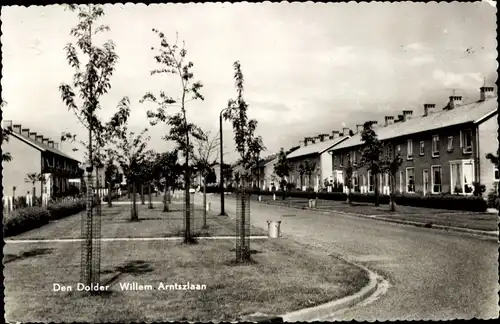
[{"x": 475, "y": 223}]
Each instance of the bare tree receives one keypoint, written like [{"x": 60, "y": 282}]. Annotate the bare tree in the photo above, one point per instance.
[{"x": 204, "y": 159}]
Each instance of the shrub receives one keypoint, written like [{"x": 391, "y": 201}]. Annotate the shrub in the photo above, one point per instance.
[
  {"x": 492, "y": 199},
  {"x": 479, "y": 189},
  {"x": 66, "y": 208},
  {"x": 25, "y": 219}
]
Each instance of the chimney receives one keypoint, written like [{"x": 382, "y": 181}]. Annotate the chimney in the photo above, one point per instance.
[
  {"x": 311, "y": 140},
  {"x": 56, "y": 146},
  {"x": 400, "y": 119},
  {"x": 51, "y": 143},
  {"x": 427, "y": 107},
  {"x": 306, "y": 141},
  {"x": 455, "y": 101},
  {"x": 486, "y": 92},
  {"x": 25, "y": 132},
  {"x": 407, "y": 114},
  {"x": 16, "y": 128},
  {"x": 359, "y": 128},
  {"x": 389, "y": 120},
  {"x": 345, "y": 130},
  {"x": 39, "y": 138},
  {"x": 45, "y": 141},
  {"x": 335, "y": 134},
  {"x": 302, "y": 143}
]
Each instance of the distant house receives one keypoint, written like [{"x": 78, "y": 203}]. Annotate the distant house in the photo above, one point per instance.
[
  {"x": 443, "y": 150},
  {"x": 34, "y": 153},
  {"x": 315, "y": 150}
]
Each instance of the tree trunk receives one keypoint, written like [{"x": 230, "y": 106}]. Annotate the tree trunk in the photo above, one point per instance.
[
  {"x": 135, "y": 216},
  {"x": 349, "y": 200},
  {"x": 244, "y": 254},
  {"x": 204, "y": 202},
  {"x": 142, "y": 195},
  {"x": 393, "y": 190},
  {"x": 187, "y": 214},
  {"x": 376, "y": 190},
  {"x": 158, "y": 189},
  {"x": 109, "y": 194},
  {"x": 33, "y": 197},
  {"x": 129, "y": 190},
  {"x": 165, "y": 197},
  {"x": 150, "y": 205}
]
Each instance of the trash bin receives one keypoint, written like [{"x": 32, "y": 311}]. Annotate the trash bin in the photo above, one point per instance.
[
  {"x": 208, "y": 206},
  {"x": 273, "y": 228}
]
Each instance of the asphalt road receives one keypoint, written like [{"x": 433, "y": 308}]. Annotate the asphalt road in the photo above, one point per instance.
[{"x": 433, "y": 275}]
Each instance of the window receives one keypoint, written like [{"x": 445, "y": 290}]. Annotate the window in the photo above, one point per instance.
[
  {"x": 462, "y": 176},
  {"x": 341, "y": 159},
  {"x": 409, "y": 149},
  {"x": 425, "y": 178},
  {"x": 389, "y": 151},
  {"x": 401, "y": 181},
  {"x": 435, "y": 145},
  {"x": 450, "y": 144},
  {"x": 410, "y": 180},
  {"x": 371, "y": 182},
  {"x": 497, "y": 175},
  {"x": 436, "y": 179},
  {"x": 422, "y": 146},
  {"x": 398, "y": 149},
  {"x": 354, "y": 158},
  {"x": 355, "y": 181},
  {"x": 466, "y": 141}
]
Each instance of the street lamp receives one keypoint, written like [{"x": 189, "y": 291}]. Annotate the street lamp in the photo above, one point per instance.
[{"x": 222, "y": 212}]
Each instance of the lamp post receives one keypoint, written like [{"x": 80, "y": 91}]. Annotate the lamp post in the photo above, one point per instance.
[{"x": 222, "y": 212}]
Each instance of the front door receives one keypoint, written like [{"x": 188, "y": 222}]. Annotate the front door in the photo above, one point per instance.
[{"x": 425, "y": 177}]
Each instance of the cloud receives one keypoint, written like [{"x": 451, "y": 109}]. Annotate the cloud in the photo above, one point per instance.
[
  {"x": 422, "y": 59},
  {"x": 463, "y": 80},
  {"x": 416, "y": 46}
]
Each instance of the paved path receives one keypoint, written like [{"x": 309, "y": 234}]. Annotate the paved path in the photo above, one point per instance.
[{"x": 434, "y": 275}]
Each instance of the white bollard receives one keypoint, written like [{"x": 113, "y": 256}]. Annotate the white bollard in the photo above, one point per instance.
[
  {"x": 274, "y": 196},
  {"x": 208, "y": 206},
  {"x": 260, "y": 198},
  {"x": 273, "y": 228}
]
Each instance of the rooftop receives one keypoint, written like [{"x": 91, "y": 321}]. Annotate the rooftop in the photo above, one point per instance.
[
  {"x": 467, "y": 113},
  {"x": 316, "y": 148}
]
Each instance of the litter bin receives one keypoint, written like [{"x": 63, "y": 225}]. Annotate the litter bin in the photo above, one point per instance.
[{"x": 273, "y": 228}]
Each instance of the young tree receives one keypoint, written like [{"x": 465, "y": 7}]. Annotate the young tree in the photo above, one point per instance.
[
  {"x": 172, "y": 58},
  {"x": 91, "y": 80},
  {"x": 302, "y": 170},
  {"x": 204, "y": 160},
  {"x": 32, "y": 178},
  {"x": 130, "y": 153},
  {"x": 282, "y": 169},
  {"x": 310, "y": 167},
  {"x": 111, "y": 178},
  {"x": 370, "y": 155},
  {"x": 170, "y": 170},
  {"x": 248, "y": 145},
  {"x": 348, "y": 178},
  {"x": 391, "y": 165}
]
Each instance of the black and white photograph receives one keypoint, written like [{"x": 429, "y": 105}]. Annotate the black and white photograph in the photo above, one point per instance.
[{"x": 250, "y": 161}]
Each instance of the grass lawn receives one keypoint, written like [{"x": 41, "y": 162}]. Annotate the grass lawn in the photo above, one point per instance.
[
  {"x": 455, "y": 218},
  {"x": 115, "y": 222},
  {"x": 283, "y": 277}
]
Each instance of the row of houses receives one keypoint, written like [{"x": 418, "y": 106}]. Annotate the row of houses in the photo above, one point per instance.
[
  {"x": 35, "y": 153},
  {"x": 443, "y": 149}
]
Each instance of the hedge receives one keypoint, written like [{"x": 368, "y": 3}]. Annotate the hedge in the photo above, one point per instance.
[
  {"x": 443, "y": 201},
  {"x": 25, "y": 219}
]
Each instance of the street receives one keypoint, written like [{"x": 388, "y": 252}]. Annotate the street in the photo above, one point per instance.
[{"x": 433, "y": 275}]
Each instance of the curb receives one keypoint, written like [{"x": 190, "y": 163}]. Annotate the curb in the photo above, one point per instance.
[
  {"x": 321, "y": 311},
  {"x": 490, "y": 235}
]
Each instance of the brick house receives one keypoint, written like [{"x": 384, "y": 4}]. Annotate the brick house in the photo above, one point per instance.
[
  {"x": 443, "y": 150},
  {"x": 34, "y": 153},
  {"x": 315, "y": 150}
]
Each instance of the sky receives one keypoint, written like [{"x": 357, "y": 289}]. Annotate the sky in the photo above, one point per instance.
[{"x": 309, "y": 68}]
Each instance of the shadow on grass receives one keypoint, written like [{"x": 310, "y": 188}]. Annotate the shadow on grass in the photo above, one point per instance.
[
  {"x": 134, "y": 268},
  {"x": 25, "y": 255},
  {"x": 251, "y": 251},
  {"x": 235, "y": 263}
]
